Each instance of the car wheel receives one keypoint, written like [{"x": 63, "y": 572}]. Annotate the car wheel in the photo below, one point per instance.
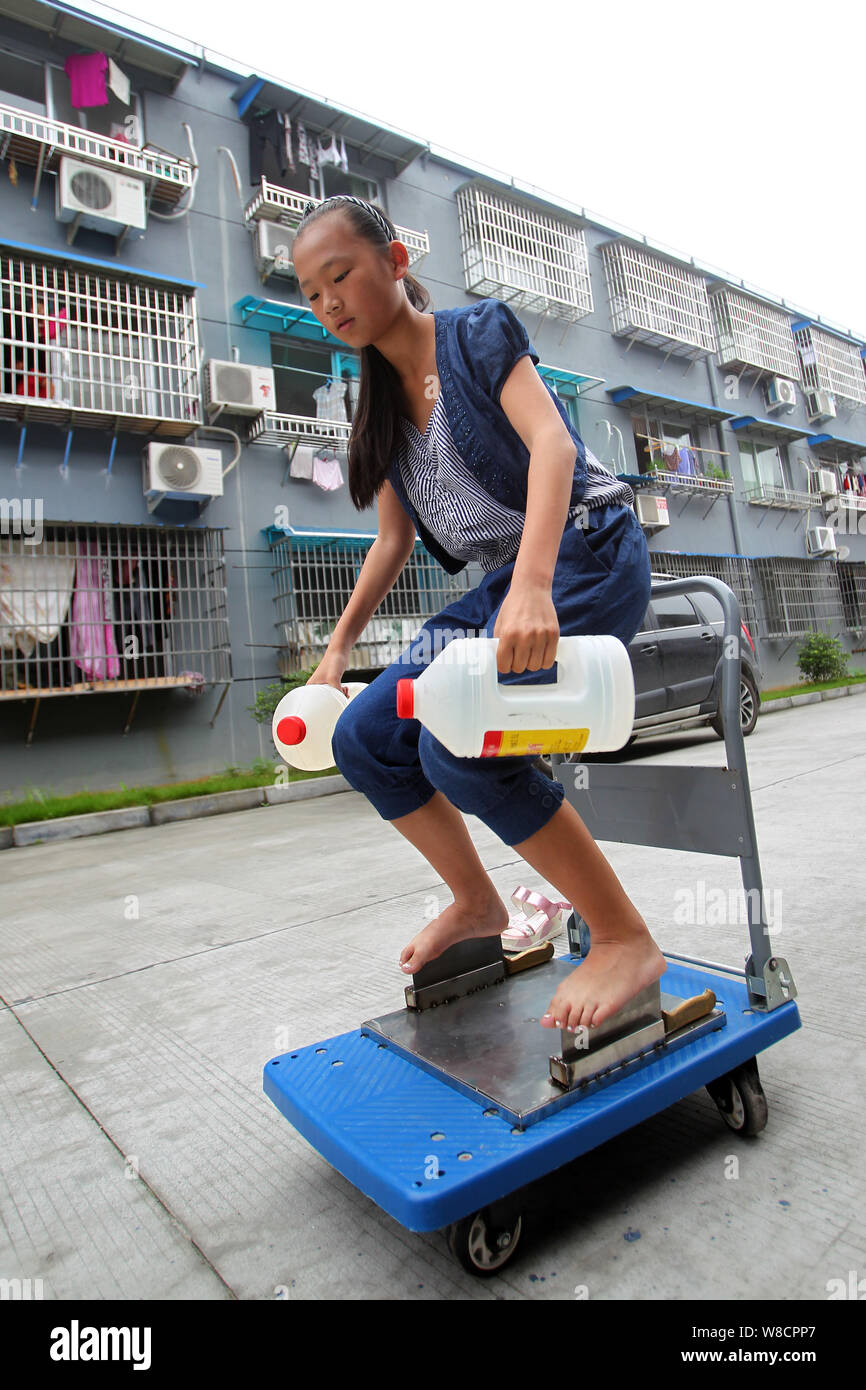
[{"x": 750, "y": 704}]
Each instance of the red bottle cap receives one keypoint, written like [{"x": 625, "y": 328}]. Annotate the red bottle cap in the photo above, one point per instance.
[
  {"x": 291, "y": 730},
  {"x": 405, "y": 698}
]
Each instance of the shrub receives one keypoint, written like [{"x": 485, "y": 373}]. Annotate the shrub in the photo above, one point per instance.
[
  {"x": 268, "y": 699},
  {"x": 822, "y": 658}
]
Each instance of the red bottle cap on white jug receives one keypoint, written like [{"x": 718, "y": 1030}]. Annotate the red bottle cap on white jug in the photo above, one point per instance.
[
  {"x": 406, "y": 698},
  {"x": 291, "y": 730}
]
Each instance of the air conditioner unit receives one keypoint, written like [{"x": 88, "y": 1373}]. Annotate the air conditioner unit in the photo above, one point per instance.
[
  {"x": 781, "y": 394},
  {"x": 240, "y": 389},
  {"x": 652, "y": 511},
  {"x": 274, "y": 245},
  {"x": 179, "y": 471},
  {"x": 820, "y": 540},
  {"x": 828, "y": 483},
  {"x": 820, "y": 405},
  {"x": 105, "y": 200}
]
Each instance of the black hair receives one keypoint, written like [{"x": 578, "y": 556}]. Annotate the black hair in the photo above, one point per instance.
[{"x": 380, "y": 399}]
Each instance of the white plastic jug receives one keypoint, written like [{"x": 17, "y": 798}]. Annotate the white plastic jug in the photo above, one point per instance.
[
  {"x": 460, "y": 700},
  {"x": 304, "y": 722}
]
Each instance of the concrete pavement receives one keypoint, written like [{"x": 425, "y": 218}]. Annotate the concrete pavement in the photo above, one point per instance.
[{"x": 148, "y": 975}]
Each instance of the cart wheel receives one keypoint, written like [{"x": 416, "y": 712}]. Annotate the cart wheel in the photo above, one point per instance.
[
  {"x": 482, "y": 1244},
  {"x": 740, "y": 1098}
]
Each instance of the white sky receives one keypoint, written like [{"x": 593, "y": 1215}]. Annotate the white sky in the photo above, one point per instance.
[{"x": 733, "y": 133}]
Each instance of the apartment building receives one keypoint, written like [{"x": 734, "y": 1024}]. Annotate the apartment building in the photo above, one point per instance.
[{"x": 173, "y": 418}]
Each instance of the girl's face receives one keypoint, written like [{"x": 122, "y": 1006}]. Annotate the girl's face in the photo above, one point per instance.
[{"x": 350, "y": 285}]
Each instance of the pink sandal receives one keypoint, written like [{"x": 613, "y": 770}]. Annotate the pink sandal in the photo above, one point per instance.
[{"x": 540, "y": 920}]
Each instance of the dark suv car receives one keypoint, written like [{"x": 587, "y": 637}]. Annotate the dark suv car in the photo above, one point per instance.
[{"x": 676, "y": 660}]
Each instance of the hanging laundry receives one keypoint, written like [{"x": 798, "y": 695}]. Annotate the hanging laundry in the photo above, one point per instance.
[
  {"x": 331, "y": 400},
  {"x": 686, "y": 462},
  {"x": 35, "y": 590},
  {"x": 13, "y": 173},
  {"x": 118, "y": 82},
  {"x": 671, "y": 458},
  {"x": 266, "y": 130},
  {"x": 344, "y": 163},
  {"x": 91, "y": 633},
  {"x": 301, "y": 465},
  {"x": 303, "y": 144},
  {"x": 287, "y": 139},
  {"x": 87, "y": 73},
  {"x": 329, "y": 154},
  {"x": 354, "y": 390},
  {"x": 327, "y": 473}
]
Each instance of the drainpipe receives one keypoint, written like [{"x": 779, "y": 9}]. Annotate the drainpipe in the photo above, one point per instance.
[{"x": 720, "y": 439}]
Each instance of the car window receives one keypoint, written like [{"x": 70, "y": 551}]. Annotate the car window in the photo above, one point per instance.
[
  {"x": 676, "y": 610},
  {"x": 710, "y": 607}
]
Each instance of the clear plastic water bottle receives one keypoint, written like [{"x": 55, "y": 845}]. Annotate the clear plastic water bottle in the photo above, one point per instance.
[
  {"x": 460, "y": 700},
  {"x": 304, "y": 722}
]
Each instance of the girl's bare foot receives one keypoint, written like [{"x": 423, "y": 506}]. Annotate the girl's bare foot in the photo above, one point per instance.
[
  {"x": 486, "y": 917},
  {"x": 615, "y": 970}
]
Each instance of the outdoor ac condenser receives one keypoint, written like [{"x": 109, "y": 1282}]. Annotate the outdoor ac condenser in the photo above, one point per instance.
[
  {"x": 820, "y": 540},
  {"x": 106, "y": 200},
  {"x": 179, "y": 471},
  {"x": 651, "y": 511},
  {"x": 238, "y": 388}
]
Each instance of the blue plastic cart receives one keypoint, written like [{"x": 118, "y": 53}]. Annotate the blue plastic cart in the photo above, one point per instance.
[{"x": 444, "y": 1110}]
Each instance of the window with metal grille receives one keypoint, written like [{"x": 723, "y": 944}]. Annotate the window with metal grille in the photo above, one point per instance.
[
  {"x": 733, "y": 570},
  {"x": 99, "y": 608},
  {"x": 657, "y": 301},
  {"x": 797, "y": 596},
  {"x": 523, "y": 254},
  {"x": 830, "y": 364},
  {"x": 754, "y": 334},
  {"x": 852, "y": 582},
  {"x": 84, "y": 347},
  {"x": 313, "y": 581}
]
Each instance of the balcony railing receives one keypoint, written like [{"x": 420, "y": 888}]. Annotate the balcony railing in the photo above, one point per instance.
[
  {"x": 38, "y": 140},
  {"x": 523, "y": 255},
  {"x": 80, "y": 347},
  {"x": 768, "y": 495},
  {"x": 273, "y": 428},
  {"x": 691, "y": 482},
  {"x": 275, "y": 204}
]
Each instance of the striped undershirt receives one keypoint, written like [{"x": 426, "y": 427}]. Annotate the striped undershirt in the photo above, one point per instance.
[{"x": 459, "y": 513}]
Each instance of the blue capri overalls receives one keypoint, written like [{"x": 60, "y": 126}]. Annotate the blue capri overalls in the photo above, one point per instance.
[{"x": 601, "y": 584}]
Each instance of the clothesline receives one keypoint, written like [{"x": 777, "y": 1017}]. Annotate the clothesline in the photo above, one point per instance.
[{"x": 666, "y": 444}]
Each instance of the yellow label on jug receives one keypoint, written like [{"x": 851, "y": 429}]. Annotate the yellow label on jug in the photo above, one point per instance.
[{"x": 514, "y": 743}]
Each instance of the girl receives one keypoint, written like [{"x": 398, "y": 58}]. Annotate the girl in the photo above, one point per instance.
[{"x": 456, "y": 435}]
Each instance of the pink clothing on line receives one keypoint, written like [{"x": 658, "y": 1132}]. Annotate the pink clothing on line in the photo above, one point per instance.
[
  {"x": 91, "y": 630},
  {"x": 87, "y": 73}
]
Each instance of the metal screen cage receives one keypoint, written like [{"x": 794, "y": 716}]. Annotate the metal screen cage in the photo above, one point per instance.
[
  {"x": 753, "y": 334},
  {"x": 733, "y": 570},
  {"x": 313, "y": 581},
  {"x": 657, "y": 301},
  {"x": 830, "y": 364},
  {"x": 102, "y": 608},
  {"x": 81, "y": 347},
  {"x": 798, "y": 596},
  {"x": 528, "y": 257}
]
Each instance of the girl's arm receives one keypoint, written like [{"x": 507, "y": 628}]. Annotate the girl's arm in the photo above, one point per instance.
[
  {"x": 527, "y": 626},
  {"x": 383, "y": 564}
]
